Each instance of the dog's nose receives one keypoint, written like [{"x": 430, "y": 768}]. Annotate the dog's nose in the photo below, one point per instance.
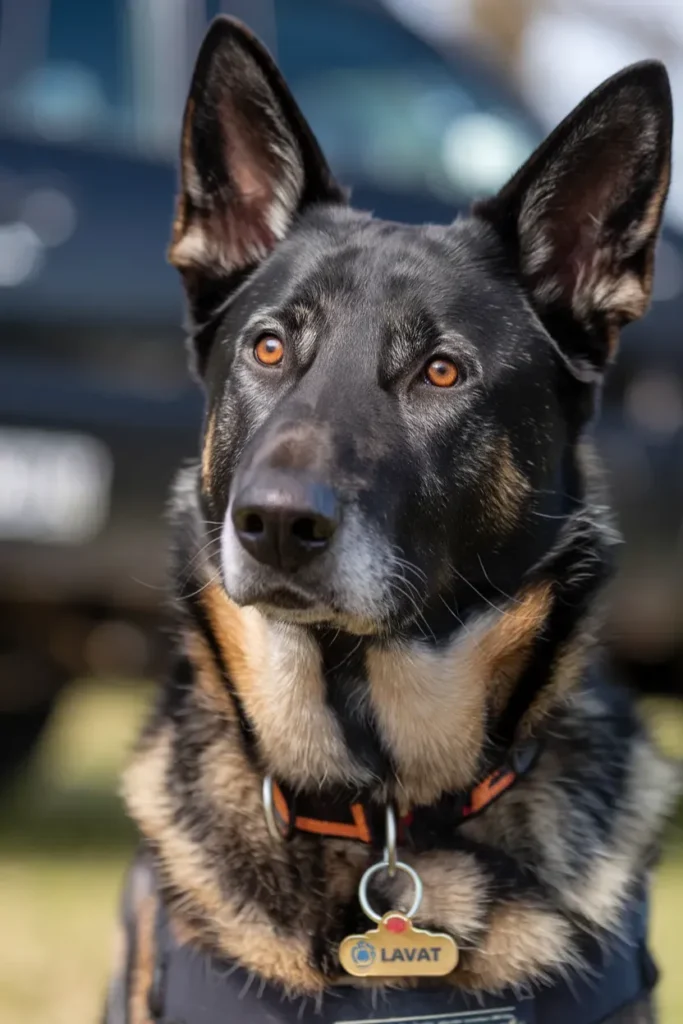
[{"x": 283, "y": 520}]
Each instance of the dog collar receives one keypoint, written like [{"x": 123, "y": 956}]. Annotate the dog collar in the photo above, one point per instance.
[{"x": 341, "y": 815}]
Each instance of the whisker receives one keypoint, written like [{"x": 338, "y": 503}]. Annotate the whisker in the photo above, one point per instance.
[
  {"x": 489, "y": 602},
  {"x": 347, "y": 656},
  {"x": 203, "y": 586},
  {"x": 495, "y": 586},
  {"x": 413, "y": 596},
  {"x": 187, "y": 570},
  {"x": 461, "y": 622},
  {"x": 545, "y": 515},
  {"x": 397, "y": 556}
]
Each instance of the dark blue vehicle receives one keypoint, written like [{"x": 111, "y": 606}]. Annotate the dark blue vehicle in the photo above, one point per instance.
[{"x": 96, "y": 411}]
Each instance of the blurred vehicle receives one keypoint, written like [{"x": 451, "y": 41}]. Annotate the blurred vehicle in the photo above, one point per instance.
[
  {"x": 96, "y": 409},
  {"x": 641, "y": 441}
]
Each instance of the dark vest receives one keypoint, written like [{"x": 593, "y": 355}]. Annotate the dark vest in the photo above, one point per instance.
[{"x": 191, "y": 988}]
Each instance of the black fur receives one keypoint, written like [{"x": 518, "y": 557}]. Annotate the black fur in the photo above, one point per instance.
[{"x": 470, "y": 544}]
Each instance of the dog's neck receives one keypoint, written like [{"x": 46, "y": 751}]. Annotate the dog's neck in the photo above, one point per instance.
[
  {"x": 404, "y": 718},
  {"x": 250, "y": 697}
]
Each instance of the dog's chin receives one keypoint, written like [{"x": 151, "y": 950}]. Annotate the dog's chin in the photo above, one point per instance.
[
  {"x": 290, "y": 604},
  {"x": 319, "y": 616}
]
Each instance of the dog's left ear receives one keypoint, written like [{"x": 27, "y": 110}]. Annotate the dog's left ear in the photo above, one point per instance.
[
  {"x": 582, "y": 215},
  {"x": 249, "y": 164}
]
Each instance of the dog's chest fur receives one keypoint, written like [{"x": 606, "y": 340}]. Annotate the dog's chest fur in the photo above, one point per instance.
[{"x": 559, "y": 855}]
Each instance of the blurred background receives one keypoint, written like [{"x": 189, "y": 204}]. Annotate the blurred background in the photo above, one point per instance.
[{"x": 420, "y": 105}]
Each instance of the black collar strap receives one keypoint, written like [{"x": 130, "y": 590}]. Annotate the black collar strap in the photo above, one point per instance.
[{"x": 348, "y": 816}]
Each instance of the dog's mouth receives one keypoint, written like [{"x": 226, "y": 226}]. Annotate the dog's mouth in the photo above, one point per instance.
[
  {"x": 285, "y": 598},
  {"x": 355, "y": 583},
  {"x": 288, "y": 602}
]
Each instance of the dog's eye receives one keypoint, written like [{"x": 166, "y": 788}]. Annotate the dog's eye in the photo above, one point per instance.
[
  {"x": 442, "y": 373},
  {"x": 269, "y": 350}
]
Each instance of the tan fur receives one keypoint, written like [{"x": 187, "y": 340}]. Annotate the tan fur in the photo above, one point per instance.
[
  {"x": 507, "y": 490},
  {"x": 344, "y": 864},
  {"x": 523, "y": 941},
  {"x": 454, "y": 894},
  {"x": 276, "y": 671},
  {"x": 502, "y": 943},
  {"x": 192, "y": 249},
  {"x": 613, "y": 337},
  {"x": 179, "y": 230},
  {"x": 211, "y": 686},
  {"x": 244, "y": 934},
  {"x": 430, "y": 706},
  {"x": 417, "y": 696},
  {"x": 145, "y": 955},
  {"x": 192, "y": 190},
  {"x": 654, "y": 786},
  {"x": 207, "y": 453},
  {"x": 504, "y": 649}
]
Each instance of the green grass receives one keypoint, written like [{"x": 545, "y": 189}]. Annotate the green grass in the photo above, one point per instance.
[
  {"x": 57, "y": 917},
  {"x": 63, "y": 848},
  {"x": 65, "y": 841},
  {"x": 667, "y": 920}
]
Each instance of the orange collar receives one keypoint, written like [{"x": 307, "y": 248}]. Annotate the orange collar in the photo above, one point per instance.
[{"x": 341, "y": 818}]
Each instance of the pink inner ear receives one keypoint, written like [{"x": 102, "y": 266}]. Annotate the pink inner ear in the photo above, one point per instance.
[
  {"x": 248, "y": 227},
  {"x": 568, "y": 250},
  {"x": 582, "y": 202},
  {"x": 253, "y": 187}
]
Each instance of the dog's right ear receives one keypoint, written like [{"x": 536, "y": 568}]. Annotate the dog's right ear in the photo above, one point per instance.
[
  {"x": 581, "y": 217},
  {"x": 249, "y": 164}
]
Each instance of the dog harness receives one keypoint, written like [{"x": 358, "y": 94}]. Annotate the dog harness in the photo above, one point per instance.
[{"x": 192, "y": 988}]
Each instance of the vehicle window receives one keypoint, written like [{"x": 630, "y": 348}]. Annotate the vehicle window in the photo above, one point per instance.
[
  {"x": 92, "y": 72},
  {"x": 389, "y": 111},
  {"x": 63, "y": 72}
]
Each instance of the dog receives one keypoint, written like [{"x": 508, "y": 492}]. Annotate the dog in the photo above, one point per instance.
[{"x": 388, "y": 571}]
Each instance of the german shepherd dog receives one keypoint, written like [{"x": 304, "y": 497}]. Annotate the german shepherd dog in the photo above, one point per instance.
[{"x": 388, "y": 569}]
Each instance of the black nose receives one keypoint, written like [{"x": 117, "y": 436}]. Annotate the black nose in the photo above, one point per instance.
[{"x": 283, "y": 520}]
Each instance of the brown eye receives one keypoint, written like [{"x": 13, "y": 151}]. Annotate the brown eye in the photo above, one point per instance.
[
  {"x": 442, "y": 373},
  {"x": 269, "y": 350}
]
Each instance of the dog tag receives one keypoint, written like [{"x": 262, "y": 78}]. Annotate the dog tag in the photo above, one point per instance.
[{"x": 397, "y": 949}]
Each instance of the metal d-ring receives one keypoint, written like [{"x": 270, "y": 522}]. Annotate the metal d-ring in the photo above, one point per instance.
[
  {"x": 384, "y": 866},
  {"x": 269, "y": 808},
  {"x": 390, "y": 840}
]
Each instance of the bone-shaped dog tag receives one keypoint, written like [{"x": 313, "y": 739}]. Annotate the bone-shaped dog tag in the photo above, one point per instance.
[{"x": 397, "y": 949}]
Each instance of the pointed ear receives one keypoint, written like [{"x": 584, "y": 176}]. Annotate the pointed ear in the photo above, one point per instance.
[
  {"x": 581, "y": 217},
  {"x": 249, "y": 164}
]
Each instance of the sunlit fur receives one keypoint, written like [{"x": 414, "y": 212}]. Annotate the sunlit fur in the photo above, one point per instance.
[{"x": 455, "y": 611}]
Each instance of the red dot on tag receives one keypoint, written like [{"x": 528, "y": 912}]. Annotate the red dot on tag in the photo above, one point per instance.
[{"x": 395, "y": 924}]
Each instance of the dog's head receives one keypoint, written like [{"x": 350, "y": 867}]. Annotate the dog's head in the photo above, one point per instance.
[{"x": 393, "y": 412}]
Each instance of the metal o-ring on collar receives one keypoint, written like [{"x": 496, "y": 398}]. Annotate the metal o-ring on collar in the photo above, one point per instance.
[
  {"x": 269, "y": 809},
  {"x": 390, "y": 840},
  {"x": 383, "y": 865}
]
